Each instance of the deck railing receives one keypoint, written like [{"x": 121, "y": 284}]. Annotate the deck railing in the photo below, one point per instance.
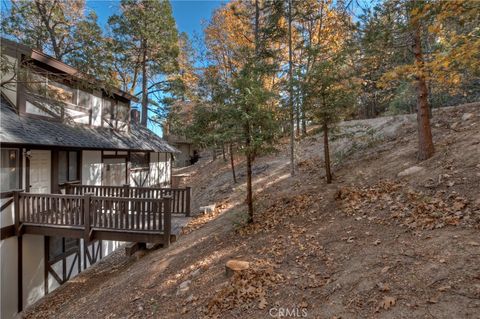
[
  {"x": 181, "y": 197},
  {"x": 52, "y": 209},
  {"x": 94, "y": 213}
]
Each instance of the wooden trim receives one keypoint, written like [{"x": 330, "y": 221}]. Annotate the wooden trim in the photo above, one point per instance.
[
  {"x": 19, "y": 274},
  {"x": 54, "y": 173},
  {"x": 27, "y": 171},
  {"x": 6, "y": 204},
  {"x": 21, "y": 101},
  {"x": 4, "y": 195},
  {"x": 7, "y": 232},
  {"x": 20, "y": 169},
  {"x": 79, "y": 165},
  {"x": 47, "y": 147},
  {"x": 46, "y": 256}
]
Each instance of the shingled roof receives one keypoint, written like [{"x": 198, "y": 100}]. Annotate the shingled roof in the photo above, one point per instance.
[{"x": 22, "y": 130}]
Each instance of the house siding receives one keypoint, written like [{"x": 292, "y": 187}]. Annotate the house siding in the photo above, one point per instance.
[{"x": 8, "y": 282}]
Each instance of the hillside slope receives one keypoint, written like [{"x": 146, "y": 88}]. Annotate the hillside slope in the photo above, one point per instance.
[{"x": 371, "y": 245}]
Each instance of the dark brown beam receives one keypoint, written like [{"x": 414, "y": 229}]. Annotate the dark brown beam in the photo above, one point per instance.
[
  {"x": 19, "y": 274},
  {"x": 53, "y": 230},
  {"x": 7, "y": 232}
]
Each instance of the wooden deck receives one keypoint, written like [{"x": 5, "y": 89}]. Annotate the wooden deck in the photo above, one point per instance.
[{"x": 147, "y": 218}]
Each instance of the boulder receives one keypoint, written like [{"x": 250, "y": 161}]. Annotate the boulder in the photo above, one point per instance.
[
  {"x": 467, "y": 116},
  {"x": 410, "y": 171},
  {"x": 208, "y": 209},
  {"x": 184, "y": 287}
]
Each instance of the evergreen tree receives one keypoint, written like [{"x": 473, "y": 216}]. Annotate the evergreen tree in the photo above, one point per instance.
[
  {"x": 145, "y": 41},
  {"x": 63, "y": 29}
]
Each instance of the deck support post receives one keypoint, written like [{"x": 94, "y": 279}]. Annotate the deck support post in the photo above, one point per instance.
[
  {"x": 86, "y": 217},
  {"x": 188, "y": 209},
  {"x": 16, "y": 203},
  {"x": 167, "y": 223},
  {"x": 19, "y": 273},
  {"x": 16, "y": 211}
]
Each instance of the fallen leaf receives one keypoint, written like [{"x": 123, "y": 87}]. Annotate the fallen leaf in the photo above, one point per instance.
[
  {"x": 385, "y": 269},
  {"x": 383, "y": 287},
  {"x": 386, "y": 303},
  {"x": 263, "y": 303}
]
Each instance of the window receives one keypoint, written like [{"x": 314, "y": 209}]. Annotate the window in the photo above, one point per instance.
[
  {"x": 60, "y": 92},
  {"x": 85, "y": 99},
  {"x": 107, "y": 108},
  {"x": 72, "y": 166},
  {"x": 140, "y": 159},
  {"x": 36, "y": 83},
  {"x": 122, "y": 111},
  {"x": 10, "y": 169},
  {"x": 68, "y": 168},
  {"x": 58, "y": 246}
]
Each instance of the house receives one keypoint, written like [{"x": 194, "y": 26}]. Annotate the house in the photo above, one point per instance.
[
  {"x": 188, "y": 152},
  {"x": 64, "y": 134}
]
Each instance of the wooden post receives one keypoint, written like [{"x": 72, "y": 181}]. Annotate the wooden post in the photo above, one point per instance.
[
  {"x": 124, "y": 210},
  {"x": 16, "y": 203},
  {"x": 16, "y": 207},
  {"x": 126, "y": 190},
  {"x": 188, "y": 210},
  {"x": 86, "y": 217},
  {"x": 19, "y": 273},
  {"x": 167, "y": 222}
]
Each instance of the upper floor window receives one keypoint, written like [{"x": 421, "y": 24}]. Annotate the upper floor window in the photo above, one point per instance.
[
  {"x": 60, "y": 92},
  {"x": 75, "y": 100},
  {"x": 50, "y": 86},
  {"x": 122, "y": 111}
]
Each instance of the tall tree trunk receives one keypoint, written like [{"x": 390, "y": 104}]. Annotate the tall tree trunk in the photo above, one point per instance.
[
  {"x": 247, "y": 128},
  {"x": 326, "y": 152},
  {"x": 223, "y": 152},
  {"x": 290, "y": 76},
  {"x": 232, "y": 164},
  {"x": 425, "y": 140},
  {"x": 144, "y": 84},
  {"x": 214, "y": 153},
  {"x": 249, "y": 188},
  {"x": 304, "y": 121}
]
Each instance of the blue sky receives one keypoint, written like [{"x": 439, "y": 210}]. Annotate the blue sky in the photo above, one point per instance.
[{"x": 188, "y": 13}]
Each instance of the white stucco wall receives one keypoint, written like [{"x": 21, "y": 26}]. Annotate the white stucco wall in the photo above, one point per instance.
[
  {"x": 8, "y": 266},
  {"x": 159, "y": 169},
  {"x": 97, "y": 109},
  {"x": 92, "y": 167},
  {"x": 8, "y": 262},
  {"x": 8, "y": 277},
  {"x": 33, "y": 268}
]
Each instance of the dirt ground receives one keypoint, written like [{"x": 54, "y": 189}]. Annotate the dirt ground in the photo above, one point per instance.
[{"x": 372, "y": 244}]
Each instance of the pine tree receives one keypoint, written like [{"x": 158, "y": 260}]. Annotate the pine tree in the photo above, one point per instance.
[
  {"x": 63, "y": 29},
  {"x": 146, "y": 48}
]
